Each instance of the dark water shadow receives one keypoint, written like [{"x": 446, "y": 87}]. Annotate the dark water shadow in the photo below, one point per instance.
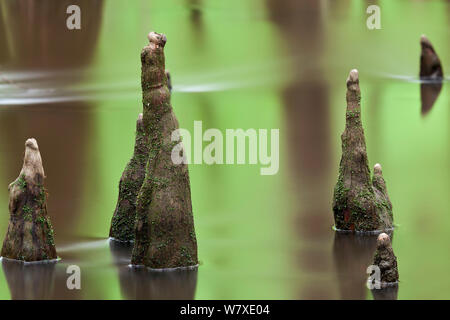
[
  {"x": 36, "y": 36},
  {"x": 38, "y": 281},
  {"x": 143, "y": 284},
  {"x": 29, "y": 281},
  {"x": 429, "y": 92},
  {"x": 352, "y": 254},
  {"x": 388, "y": 293}
]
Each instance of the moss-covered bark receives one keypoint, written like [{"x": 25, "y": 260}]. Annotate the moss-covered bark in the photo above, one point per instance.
[
  {"x": 359, "y": 203},
  {"x": 386, "y": 260},
  {"x": 165, "y": 234},
  {"x": 430, "y": 64},
  {"x": 122, "y": 224},
  {"x": 30, "y": 233},
  {"x": 383, "y": 203}
]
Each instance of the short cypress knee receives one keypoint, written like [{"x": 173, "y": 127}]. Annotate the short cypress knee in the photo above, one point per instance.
[
  {"x": 386, "y": 260},
  {"x": 30, "y": 232},
  {"x": 122, "y": 224},
  {"x": 359, "y": 203},
  {"x": 165, "y": 234}
]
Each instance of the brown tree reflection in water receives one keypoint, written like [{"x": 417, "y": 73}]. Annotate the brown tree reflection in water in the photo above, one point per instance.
[
  {"x": 307, "y": 115},
  {"x": 39, "y": 54}
]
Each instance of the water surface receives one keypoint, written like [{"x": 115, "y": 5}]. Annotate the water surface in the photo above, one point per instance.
[{"x": 234, "y": 64}]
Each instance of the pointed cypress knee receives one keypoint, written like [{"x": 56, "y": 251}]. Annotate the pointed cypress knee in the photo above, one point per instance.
[
  {"x": 384, "y": 205},
  {"x": 30, "y": 232},
  {"x": 165, "y": 234},
  {"x": 122, "y": 224},
  {"x": 355, "y": 204},
  {"x": 430, "y": 64},
  {"x": 386, "y": 260}
]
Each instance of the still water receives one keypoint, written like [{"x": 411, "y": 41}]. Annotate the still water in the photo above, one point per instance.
[{"x": 234, "y": 64}]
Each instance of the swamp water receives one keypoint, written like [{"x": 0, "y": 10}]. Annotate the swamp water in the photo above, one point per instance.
[{"x": 234, "y": 64}]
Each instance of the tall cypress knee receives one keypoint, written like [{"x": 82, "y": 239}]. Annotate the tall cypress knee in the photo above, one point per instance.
[
  {"x": 30, "y": 232},
  {"x": 356, "y": 206},
  {"x": 122, "y": 224},
  {"x": 165, "y": 234}
]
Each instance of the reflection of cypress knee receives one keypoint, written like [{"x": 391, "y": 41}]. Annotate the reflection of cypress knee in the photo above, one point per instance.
[
  {"x": 30, "y": 233},
  {"x": 355, "y": 202},
  {"x": 386, "y": 260},
  {"x": 169, "y": 81},
  {"x": 122, "y": 224},
  {"x": 430, "y": 65},
  {"x": 165, "y": 235},
  {"x": 31, "y": 281}
]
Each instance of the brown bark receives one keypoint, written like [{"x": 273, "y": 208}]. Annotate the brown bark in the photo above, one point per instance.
[
  {"x": 386, "y": 260},
  {"x": 30, "y": 233},
  {"x": 430, "y": 64},
  {"x": 359, "y": 203},
  {"x": 383, "y": 203},
  {"x": 122, "y": 224},
  {"x": 165, "y": 235}
]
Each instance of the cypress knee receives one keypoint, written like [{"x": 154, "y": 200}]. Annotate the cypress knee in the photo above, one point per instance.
[
  {"x": 122, "y": 224},
  {"x": 357, "y": 204},
  {"x": 30, "y": 233},
  {"x": 430, "y": 64},
  {"x": 165, "y": 234},
  {"x": 430, "y": 69},
  {"x": 386, "y": 260}
]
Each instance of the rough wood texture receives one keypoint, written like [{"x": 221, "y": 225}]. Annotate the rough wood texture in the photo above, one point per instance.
[
  {"x": 386, "y": 260},
  {"x": 359, "y": 203},
  {"x": 430, "y": 65},
  {"x": 165, "y": 235},
  {"x": 30, "y": 233},
  {"x": 122, "y": 224}
]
